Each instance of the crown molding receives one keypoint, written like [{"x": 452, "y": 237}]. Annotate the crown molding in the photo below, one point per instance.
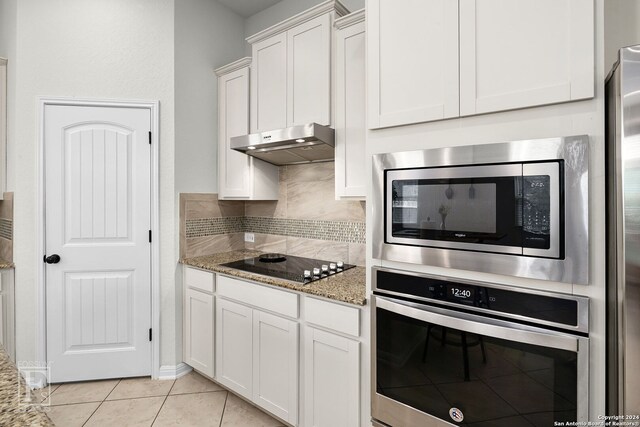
[
  {"x": 320, "y": 9},
  {"x": 350, "y": 19},
  {"x": 234, "y": 66}
]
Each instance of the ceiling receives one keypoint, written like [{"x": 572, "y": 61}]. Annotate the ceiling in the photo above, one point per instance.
[{"x": 246, "y": 8}]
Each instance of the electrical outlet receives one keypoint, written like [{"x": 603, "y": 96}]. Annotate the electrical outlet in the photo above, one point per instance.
[{"x": 249, "y": 237}]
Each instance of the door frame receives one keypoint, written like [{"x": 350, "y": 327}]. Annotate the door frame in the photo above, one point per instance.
[{"x": 41, "y": 326}]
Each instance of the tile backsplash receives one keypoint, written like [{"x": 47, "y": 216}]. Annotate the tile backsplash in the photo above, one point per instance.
[
  {"x": 305, "y": 221},
  {"x": 6, "y": 227},
  {"x": 206, "y": 225}
]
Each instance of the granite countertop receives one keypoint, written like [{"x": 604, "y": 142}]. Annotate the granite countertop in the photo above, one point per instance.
[
  {"x": 16, "y": 411},
  {"x": 348, "y": 286},
  {"x": 4, "y": 264}
]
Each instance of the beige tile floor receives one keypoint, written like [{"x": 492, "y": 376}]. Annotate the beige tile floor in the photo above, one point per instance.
[{"x": 191, "y": 400}]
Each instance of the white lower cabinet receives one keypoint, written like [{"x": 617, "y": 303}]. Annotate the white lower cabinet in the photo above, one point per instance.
[
  {"x": 234, "y": 352},
  {"x": 259, "y": 354},
  {"x": 199, "y": 337},
  {"x": 275, "y": 365},
  {"x": 199, "y": 320},
  {"x": 332, "y": 380}
]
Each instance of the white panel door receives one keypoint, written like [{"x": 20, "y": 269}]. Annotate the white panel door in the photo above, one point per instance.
[
  {"x": 198, "y": 340},
  {"x": 234, "y": 342},
  {"x": 309, "y": 71},
  {"x": 98, "y": 191},
  {"x": 234, "y": 168},
  {"x": 269, "y": 84},
  {"x": 412, "y": 61},
  {"x": 332, "y": 380},
  {"x": 275, "y": 365},
  {"x": 351, "y": 112},
  {"x": 517, "y": 54}
]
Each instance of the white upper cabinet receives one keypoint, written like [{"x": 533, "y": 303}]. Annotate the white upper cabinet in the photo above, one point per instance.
[
  {"x": 350, "y": 106},
  {"x": 309, "y": 70},
  {"x": 457, "y": 58},
  {"x": 291, "y": 72},
  {"x": 517, "y": 54},
  {"x": 239, "y": 176},
  {"x": 269, "y": 84},
  {"x": 412, "y": 61}
]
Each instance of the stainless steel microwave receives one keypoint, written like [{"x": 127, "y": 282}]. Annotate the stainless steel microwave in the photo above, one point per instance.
[{"x": 517, "y": 208}]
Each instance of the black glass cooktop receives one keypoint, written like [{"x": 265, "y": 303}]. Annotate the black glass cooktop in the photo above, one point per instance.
[{"x": 288, "y": 267}]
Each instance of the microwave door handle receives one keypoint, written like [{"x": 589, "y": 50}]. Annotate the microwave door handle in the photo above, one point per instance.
[{"x": 479, "y": 325}]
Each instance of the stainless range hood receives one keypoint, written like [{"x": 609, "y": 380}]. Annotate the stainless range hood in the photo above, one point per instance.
[{"x": 298, "y": 144}]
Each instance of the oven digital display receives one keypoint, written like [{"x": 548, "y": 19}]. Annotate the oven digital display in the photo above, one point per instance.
[{"x": 461, "y": 292}]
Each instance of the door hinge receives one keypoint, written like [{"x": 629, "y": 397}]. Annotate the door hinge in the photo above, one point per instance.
[
  {"x": 149, "y": 236},
  {"x": 149, "y": 137},
  {"x": 150, "y": 334}
]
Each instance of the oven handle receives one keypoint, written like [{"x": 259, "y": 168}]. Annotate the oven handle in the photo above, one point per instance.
[{"x": 479, "y": 325}]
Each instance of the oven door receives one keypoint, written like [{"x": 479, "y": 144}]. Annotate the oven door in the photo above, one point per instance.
[
  {"x": 431, "y": 363},
  {"x": 507, "y": 208}
]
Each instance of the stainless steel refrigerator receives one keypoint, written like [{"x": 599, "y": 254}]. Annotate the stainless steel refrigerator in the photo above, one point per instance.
[{"x": 623, "y": 233}]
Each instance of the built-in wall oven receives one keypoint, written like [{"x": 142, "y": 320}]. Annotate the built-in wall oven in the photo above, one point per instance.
[
  {"x": 448, "y": 351},
  {"x": 517, "y": 208}
]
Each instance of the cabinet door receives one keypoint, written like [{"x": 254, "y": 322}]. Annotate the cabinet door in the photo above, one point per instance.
[
  {"x": 234, "y": 346},
  {"x": 523, "y": 53},
  {"x": 332, "y": 380},
  {"x": 269, "y": 84},
  {"x": 309, "y": 69},
  {"x": 275, "y": 365},
  {"x": 198, "y": 342},
  {"x": 233, "y": 120},
  {"x": 350, "y": 112},
  {"x": 412, "y": 61}
]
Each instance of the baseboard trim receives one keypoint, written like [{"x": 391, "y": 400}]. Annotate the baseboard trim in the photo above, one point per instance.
[{"x": 172, "y": 372}]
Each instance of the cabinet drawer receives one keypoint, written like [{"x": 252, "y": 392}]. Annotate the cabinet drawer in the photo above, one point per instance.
[
  {"x": 337, "y": 317},
  {"x": 198, "y": 279},
  {"x": 285, "y": 303}
]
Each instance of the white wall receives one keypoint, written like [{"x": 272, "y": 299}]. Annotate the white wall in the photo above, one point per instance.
[
  {"x": 8, "y": 21},
  {"x": 622, "y": 28},
  {"x": 119, "y": 49},
  {"x": 286, "y": 9},
  {"x": 577, "y": 118},
  {"x": 207, "y": 35}
]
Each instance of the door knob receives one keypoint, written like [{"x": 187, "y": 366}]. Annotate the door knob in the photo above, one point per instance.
[{"x": 52, "y": 259}]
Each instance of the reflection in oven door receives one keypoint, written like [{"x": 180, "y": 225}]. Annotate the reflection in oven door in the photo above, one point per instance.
[{"x": 430, "y": 364}]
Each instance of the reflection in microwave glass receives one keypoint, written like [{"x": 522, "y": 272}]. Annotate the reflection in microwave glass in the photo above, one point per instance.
[{"x": 469, "y": 207}]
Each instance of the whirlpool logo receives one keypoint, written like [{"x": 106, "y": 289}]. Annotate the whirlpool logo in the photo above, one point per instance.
[{"x": 456, "y": 415}]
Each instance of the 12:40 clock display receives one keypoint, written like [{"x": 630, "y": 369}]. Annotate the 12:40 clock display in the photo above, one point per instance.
[{"x": 459, "y": 292}]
